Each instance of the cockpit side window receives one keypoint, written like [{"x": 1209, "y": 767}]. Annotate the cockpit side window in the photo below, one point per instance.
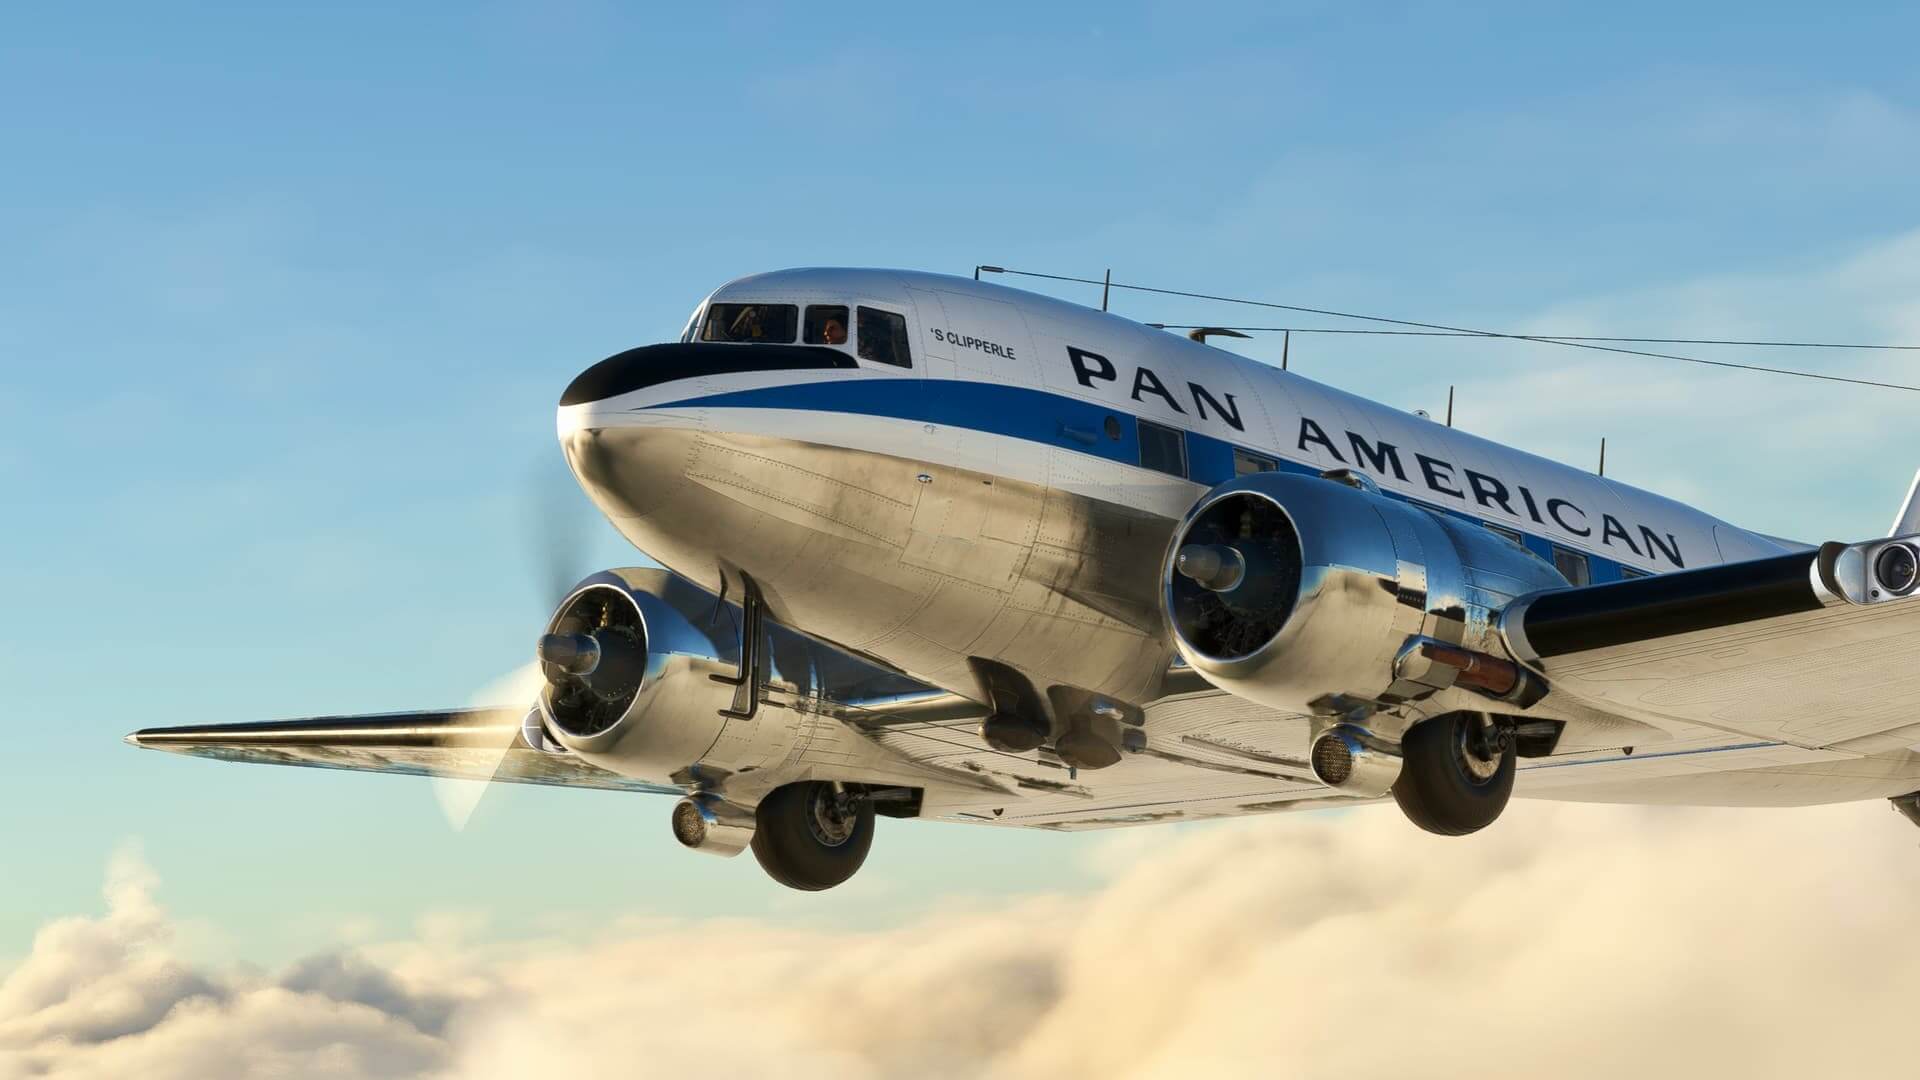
[
  {"x": 770, "y": 323},
  {"x": 883, "y": 337},
  {"x": 826, "y": 324}
]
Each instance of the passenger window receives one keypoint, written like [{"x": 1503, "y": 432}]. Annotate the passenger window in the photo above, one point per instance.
[
  {"x": 883, "y": 337},
  {"x": 1246, "y": 461},
  {"x": 1504, "y": 533},
  {"x": 1572, "y": 565},
  {"x": 751, "y": 322},
  {"x": 826, "y": 325},
  {"x": 1163, "y": 449}
]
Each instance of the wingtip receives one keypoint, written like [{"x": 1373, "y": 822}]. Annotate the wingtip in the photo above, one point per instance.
[{"x": 136, "y": 738}]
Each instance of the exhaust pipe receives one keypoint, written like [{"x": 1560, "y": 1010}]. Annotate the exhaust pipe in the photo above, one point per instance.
[
  {"x": 1355, "y": 761},
  {"x": 712, "y": 825}
]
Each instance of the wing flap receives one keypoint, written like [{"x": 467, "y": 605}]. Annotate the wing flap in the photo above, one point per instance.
[{"x": 455, "y": 743}]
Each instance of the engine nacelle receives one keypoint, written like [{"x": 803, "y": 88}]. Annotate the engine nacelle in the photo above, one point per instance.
[
  {"x": 643, "y": 677},
  {"x": 1316, "y": 594},
  {"x": 646, "y": 693}
]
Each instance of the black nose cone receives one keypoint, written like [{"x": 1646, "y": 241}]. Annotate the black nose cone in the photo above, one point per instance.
[
  {"x": 617, "y": 374},
  {"x": 655, "y": 365}
]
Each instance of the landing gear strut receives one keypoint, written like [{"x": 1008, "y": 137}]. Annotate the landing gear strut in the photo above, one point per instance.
[
  {"x": 1458, "y": 772},
  {"x": 813, "y": 835}
]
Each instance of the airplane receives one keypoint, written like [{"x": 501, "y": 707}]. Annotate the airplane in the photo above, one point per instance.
[{"x": 937, "y": 548}]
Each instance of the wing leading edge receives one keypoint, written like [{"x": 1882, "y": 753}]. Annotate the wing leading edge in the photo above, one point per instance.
[
  {"x": 1805, "y": 649},
  {"x": 456, "y": 743}
]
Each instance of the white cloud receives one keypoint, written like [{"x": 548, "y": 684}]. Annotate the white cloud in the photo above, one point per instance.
[
  {"x": 1567, "y": 941},
  {"x": 89, "y": 981}
]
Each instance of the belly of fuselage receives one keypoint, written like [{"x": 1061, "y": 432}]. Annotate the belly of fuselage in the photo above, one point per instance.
[{"x": 920, "y": 564}]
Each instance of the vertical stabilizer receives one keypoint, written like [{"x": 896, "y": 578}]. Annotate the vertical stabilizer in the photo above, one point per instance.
[{"x": 1908, "y": 521}]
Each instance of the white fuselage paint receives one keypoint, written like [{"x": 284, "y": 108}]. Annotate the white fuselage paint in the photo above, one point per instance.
[
  {"x": 968, "y": 332},
  {"x": 1013, "y": 389}
]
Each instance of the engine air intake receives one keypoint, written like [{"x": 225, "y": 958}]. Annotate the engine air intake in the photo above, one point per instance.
[
  {"x": 1237, "y": 575},
  {"x": 594, "y": 658},
  {"x": 1332, "y": 761}
]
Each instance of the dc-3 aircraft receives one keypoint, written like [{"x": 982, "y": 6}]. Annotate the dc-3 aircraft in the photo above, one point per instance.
[{"x": 944, "y": 549}]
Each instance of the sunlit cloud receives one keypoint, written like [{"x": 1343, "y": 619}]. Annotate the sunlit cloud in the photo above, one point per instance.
[{"x": 1566, "y": 941}]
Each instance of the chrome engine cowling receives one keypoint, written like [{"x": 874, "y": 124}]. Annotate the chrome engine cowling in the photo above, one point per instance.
[
  {"x": 643, "y": 678},
  {"x": 650, "y": 699},
  {"x": 1316, "y": 594}
]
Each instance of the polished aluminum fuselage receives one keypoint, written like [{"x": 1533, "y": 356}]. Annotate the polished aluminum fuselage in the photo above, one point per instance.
[{"x": 989, "y": 503}]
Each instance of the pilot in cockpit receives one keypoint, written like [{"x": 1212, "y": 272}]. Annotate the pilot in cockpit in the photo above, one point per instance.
[
  {"x": 746, "y": 325},
  {"x": 833, "y": 332}
]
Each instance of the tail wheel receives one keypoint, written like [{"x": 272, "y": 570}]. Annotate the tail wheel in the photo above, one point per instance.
[
  {"x": 1458, "y": 773},
  {"x": 812, "y": 835}
]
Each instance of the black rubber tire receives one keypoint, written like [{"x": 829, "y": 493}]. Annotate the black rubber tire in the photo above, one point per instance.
[
  {"x": 787, "y": 848},
  {"x": 1435, "y": 790}
]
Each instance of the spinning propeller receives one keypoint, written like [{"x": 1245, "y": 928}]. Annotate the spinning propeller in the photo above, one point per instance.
[{"x": 558, "y": 541}]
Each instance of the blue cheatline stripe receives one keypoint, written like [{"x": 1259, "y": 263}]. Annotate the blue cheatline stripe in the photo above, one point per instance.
[
  {"x": 1048, "y": 418},
  {"x": 1016, "y": 411}
]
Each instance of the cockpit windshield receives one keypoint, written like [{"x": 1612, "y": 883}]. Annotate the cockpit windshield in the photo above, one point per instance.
[
  {"x": 826, "y": 324},
  {"x": 883, "y": 337},
  {"x": 770, "y": 323},
  {"x": 875, "y": 335}
]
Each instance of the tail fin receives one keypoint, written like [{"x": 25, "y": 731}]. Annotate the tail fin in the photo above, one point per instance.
[{"x": 1908, "y": 522}]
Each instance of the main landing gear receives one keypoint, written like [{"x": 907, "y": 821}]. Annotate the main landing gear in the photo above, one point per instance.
[
  {"x": 813, "y": 835},
  {"x": 1457, "y": 773},
  {"x": 810, "y": 835}
]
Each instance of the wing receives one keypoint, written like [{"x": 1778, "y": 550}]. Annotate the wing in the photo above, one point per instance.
[
  {"x": 1211, "y": 755},
  {"x": 1811, "y": 649},
  {"x": 458, "y": 743}
]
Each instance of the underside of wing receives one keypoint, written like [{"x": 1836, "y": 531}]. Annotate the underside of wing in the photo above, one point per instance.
[
  {"x": 1801, "y": 649},
  {"x": 1210, "y": 755},
  {"x": 455, "y": 743}
]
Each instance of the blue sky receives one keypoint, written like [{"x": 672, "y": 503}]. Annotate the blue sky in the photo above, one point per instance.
[{"x": 286, "y": 298}]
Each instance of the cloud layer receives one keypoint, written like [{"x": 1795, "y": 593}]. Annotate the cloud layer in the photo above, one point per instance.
[{"x": 1567, "y": 941}]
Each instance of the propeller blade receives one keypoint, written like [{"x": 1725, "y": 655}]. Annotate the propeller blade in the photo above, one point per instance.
[
  {"x": 458, "y": 798},
  {"x": 560, "y": 534},
  {"x": 558, "y": 539}
]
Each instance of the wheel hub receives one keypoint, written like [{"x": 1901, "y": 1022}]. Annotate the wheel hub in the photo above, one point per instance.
[
  {"x": 1479, "y": 746},
  {"x": 831, "y": 817}
]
